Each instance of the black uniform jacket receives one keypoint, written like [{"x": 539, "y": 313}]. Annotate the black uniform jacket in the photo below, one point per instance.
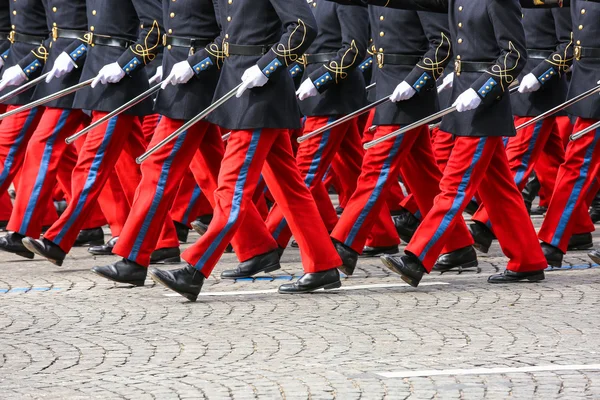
[
  {"x": 27, "y": 18},
  {"x": 343, "y": 31},
  {"x": 285, "y": 28},
  {"x": 137, "y": 21},
  {"x": 4, "y": 29},
  {"x": 192, "y": 19},
  {"x": 550, "y": 52}
]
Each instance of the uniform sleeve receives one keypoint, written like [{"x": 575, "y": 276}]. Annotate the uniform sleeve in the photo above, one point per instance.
[
  {"x": 33, "y": 62},
  {"x": 211, "y": 56},
  {"x": 510, "y": 37},
  {"x": 354, "y": 22},
  {"x": 77, "y": 50},
  {"x": 148, "y": 43},
  {"x": 432, "y": 65},
  {"x": 4, "y": 49},
  {"x": 559, "y": 62}
]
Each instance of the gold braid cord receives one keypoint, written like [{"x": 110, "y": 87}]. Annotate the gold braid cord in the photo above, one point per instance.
[
  {"x": 41, "y": 53},
  {"x": 562, "y": 62},
  {"x": 214, "y": 50},
  {"x": 436, "y": 66},
  {"x": 146, "y": 50},
  {"x": 504, "y": 74},
  {"x": 338, "y": 69},
  {"x": 290, "y": 54}
]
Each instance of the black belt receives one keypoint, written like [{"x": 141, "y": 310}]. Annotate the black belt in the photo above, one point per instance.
[
  {"x": 4, "y": 35},
  {"x": 471, "y": 66},
  {"x": 397, "y": 59},
  {"x": 107, "y": 41},
  {"x": 246, "y": 50},
  {"x": 188, "y": 43},
  {"x": 22, "y": 38},
  {"x": 586, "y": 52},
  {"x": 319, "y": 58},
  {"x": 58, "y": 33},
  {"x": 539, "y": 54}
]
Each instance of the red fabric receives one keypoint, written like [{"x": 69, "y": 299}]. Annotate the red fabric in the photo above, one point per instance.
[
  {"x": 149, "y": 124},
  {"x": 190, "y": 202},
  {"x": 247, "y": 154},
  {"x": 442, "y": 143},
  {"x": 552, "y": 157},
  {"x": 6, "y": 206}
]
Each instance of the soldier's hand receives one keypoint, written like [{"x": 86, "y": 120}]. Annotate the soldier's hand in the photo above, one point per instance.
[
  {"x": 529, "y": 84},
  {"x": 402, "y": 92},
  {"x": 12, "y": 77},
  {"x": 111, "y": 73},
  {"x": 62, "y": 66},
  {"x": 251, "y": 78},
  {"x": 307, "y": 89},
  {"x": 157, "y": 76},
  {"x": 468, "y": 100},
  {"x": 181, "y": 72},
  {"x": 446, "y": 83}
]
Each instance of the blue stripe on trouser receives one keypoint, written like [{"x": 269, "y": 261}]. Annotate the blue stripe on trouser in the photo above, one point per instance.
[
  {"x": 158, "y": 195},
  {"x": 381, "y": 180},
  {"x": 236, "y": 201},
  {"x": 575, "y": 192},
  {"x": 10, "y": 158},
  {"x": 41, "y": 176},
  {"x": 527, "y": 156},
  {"x": 91, "y": 179},
  {"x": 312, "y": 171},
  {"x": 195, "y": 195},
  {"x": 458, "y": 200}
]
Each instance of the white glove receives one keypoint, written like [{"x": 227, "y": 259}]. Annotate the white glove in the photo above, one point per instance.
[
  {"x": 13, "y": 76},
  {"x": 251, "y": 78},
  {"x": 181, "y": 72},
  {"x": 307, "y": 89},
  {"x": 402, "y": 92},
  {"x": 62, "y": 66},
  {"x": 446, "y": 82},
  {"x": 110, "y": 73},
  {"x": 529, "y": 84},
  {"x": 157, "y": 76},
  {"x": 1, "y": 62},
  {"x": 468, "y": 100}
]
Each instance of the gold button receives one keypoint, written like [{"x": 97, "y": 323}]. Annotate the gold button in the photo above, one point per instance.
[
  {"x": 459, "y": 41},
  {"x": 12, "y": 26},
  {"x": 54, "y": 9},
  {"x": 93, "y": 12},
  {"x": 169, "y": 47},
  {"x": 458, "y": 57},
  {"x": 381, "y": 49},
  {"x": 460, "y": 8},
  {"x": 91, "y": 28},
  {"x": 381, "y": 18},
  {"x": 227, "y": 36},
  {"x": 460, "y": 24},
  {"x": 15, "y": 12},
  {"x": 578, "y": 42},
  {"x": 381, "y": 33},
  {"x": 172, "y": 15},
  {"x": 583, "y": 10},
  {"x": 54, "y": 24},
  {"x": 229, "y": 1},
  {"x": 170, "y": 31},
  {"x": 228, "y": 19},
  {"x": 580, "y": 27}
]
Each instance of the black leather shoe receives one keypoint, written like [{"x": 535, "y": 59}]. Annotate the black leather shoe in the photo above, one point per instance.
[
  {"x": 482, "y": 235},
  {"x": 89, "y": 237},
  {"x": 595, "y": 208},
  {"x": 3, "y": 225},
  {"x": 12, "y": 243},
  {"x": 339, "y": 210},
  {"x": 409, "y": 267},
  {"x": 123, "y": 271},
  {"x": 349, "y": 257},
  {"x": 294, "y": 244},
  {"x": 553, "y": 255},
  {"x": 581, "y": 241},
  {"x": 329, "y": 279},
  {"x": 511, "y": 276},
  {"x": 182, "y": 231},
  {"x": 45, "y": 248},
  {"x": 267, "y": 262},
  {"x": 538, "y": 210},
  {"x": 369, "y": 251},
  {"x": 472, "y": 207},
  {"x": 595, "y": 256},
  {"x": 61, "y": 206},
  {"x": 105, "y": 249},
  {"x": 200, "y": 225},
  {"x": 406, "y": 225},
  {"x": 186, "y": 281},
  {"x": 460, "y": 258},
  {"x": 167, "y": 255}
]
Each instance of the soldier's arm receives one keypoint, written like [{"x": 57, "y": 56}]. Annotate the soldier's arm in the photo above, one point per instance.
[
  {"x": 510, "y": 37},
  {"x": 354, "y": 22},
  {"x": 35, "y": 60},
  {"x": 4, "y": 49},
  {"x": 213, "y": 54}
]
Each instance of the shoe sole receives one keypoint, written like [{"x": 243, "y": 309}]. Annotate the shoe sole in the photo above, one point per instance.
[
  {"x": 348, "y": 271},
  {"x": 200, "y": 231},
  {"x": 169, "y": 260},
  {"x": 445, "y": 267},
  {"x": 265, "y": 270},
  {"x": 98, "y": 242},
  {"x": 190, "y": 297},
  {"x": 29, "y": 255},
  {"x": 594, "y": 258},
  {"x": 554, "y": 264},
  {"x": 481, "y": 248},
  {"x": 329, "y": 286},
  {"x": 134, "y": 283},
  {"x": 58, "y": 263},
  {"x": 98, "y": 253},
  {"x": 585, "y": 246},
  {"x": 411, "y": 281},
  {"x": 371, "y": 255},
  {"x": 529, "y": 279}
]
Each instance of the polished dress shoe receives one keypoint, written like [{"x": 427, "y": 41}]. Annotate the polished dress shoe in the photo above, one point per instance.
[
  {"x": 294, "y": 244},
  {"x": 406, "y": 224},
  {"x": 307, "y": 283},
  {"x": 409, "y": 267},
  {"x": 186, "y": 281},
  {"x": 45, "y": 248},
  {"x": 200, "y": 224},
  {"x": 482, "y": 235},
  {"x": 348, "y": 255},
  {"x": 182, "y": 231},
  {"x": 339, "y": 210},
  {"x": 89, "y": 237},
  {"x": 581, "y": 241},
  {"x": 267, "y": 262},
  {"x": 460, "y": 258},
  {"x": 471, "y": 207},
  {"x": 104, "y": 249},
  {"x": 539, "y": 210},
  {"x": 167, "y": 255},
  {"x": 369, "y": 251},
  {"x": 595, "y": 256},
  {"x": 61, "y": 206},
  {"x": 553, "y": 255},
  {"x": 511, "y": 276},
  {"x": 12, "y": 243},
  {"x": 123, "y": 271}
]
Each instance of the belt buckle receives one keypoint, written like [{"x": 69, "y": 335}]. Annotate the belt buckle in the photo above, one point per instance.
[
  {"x": 164, "y": 40},
  {"x": 226, "y": 49},
  {"x": 11, "y": 36},
  {"x": 54, "y": 33},
  {"x": 577, "y": 53},
  {"x": 192, "y": 50},
  {"x": 457, "y": 67},
  {"x": 380, "y": 58},
  {"x": 89, "y": 38}
]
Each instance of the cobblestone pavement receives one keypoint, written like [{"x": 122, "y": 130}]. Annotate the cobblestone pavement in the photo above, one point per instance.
[{"x": 67, "y": 333}]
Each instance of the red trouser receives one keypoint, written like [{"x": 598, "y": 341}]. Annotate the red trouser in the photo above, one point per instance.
[
  {"x": 190, "y": 201},
  {"x": 442, "y": 143},
  {"x": 410, "y": 153},
  {"x": 479, "y": 164},
  {"x": 546, "y": 169},
  {"x": 522, "y": 152},
  {"x": 6, "y": 206},
  {"x": 575, "y": 178},
  {"x": 161, "y": 175},
  {"x": 248, "y": 152}
]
